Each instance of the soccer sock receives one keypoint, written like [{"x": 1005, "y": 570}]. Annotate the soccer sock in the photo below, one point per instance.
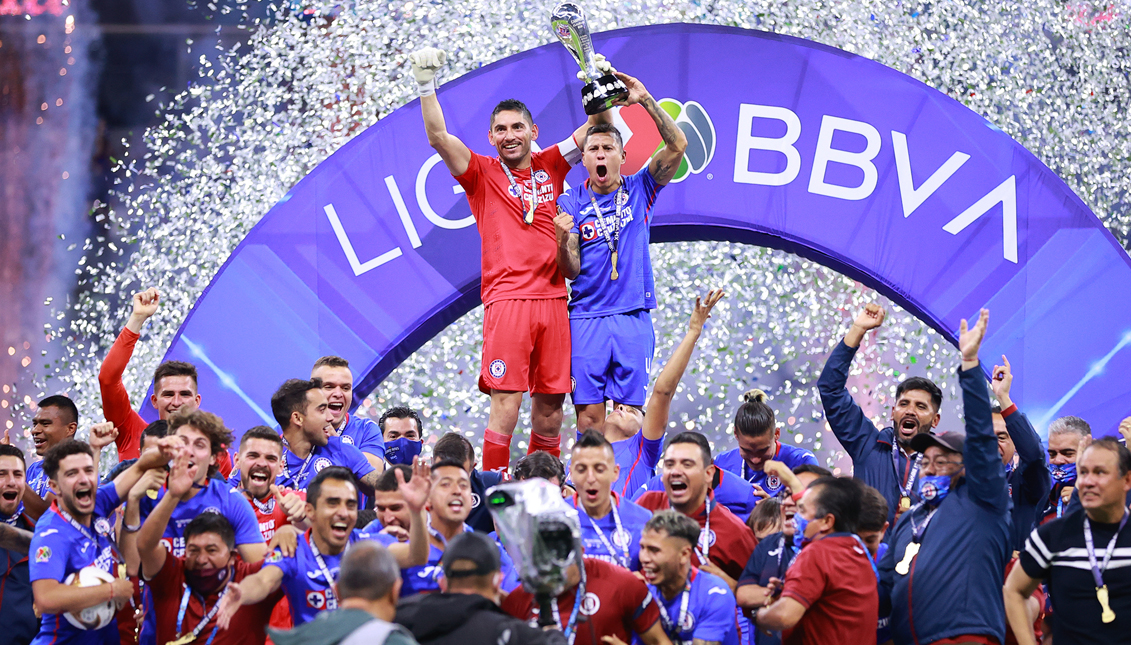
[
  {"x": 496, "y": 451},
  {"x": 552, "y": 445}
]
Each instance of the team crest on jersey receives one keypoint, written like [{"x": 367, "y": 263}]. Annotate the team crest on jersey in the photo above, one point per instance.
[
  {"x": 321, "y": 463},
  {"x": 541, "y": 176},
  {"x": 590, "y": 604},
  {"x": 688, "y": 623},
  {"x": 347, "y": 439},
  {"x": 513, "y": 189},
  {"x": 102, "y": 526},
  {"x": 621, "y": 538},
  {"x": 316, "y": 600},
  {"x": 497, "y": 368},
  {"x": 588, "y": 231},
  {"x": 43, "y": 554},
  {"x": 773, "y": 481},
  {"x": 622, "y": 197}
]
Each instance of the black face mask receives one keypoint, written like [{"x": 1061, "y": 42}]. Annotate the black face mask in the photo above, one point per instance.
[{"x": 207, "y": 581}]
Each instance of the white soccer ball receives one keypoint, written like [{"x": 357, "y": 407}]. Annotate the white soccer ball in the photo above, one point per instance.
[{"x": 96, "y": 616}]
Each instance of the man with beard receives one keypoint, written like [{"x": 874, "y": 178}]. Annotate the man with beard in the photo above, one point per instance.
[
  {"x": 883, "y": 459},
  {"x": 16, "y": 615},
  {"x": 303, "y": 412},
  {"x": 695, "y": 606},
  {"x": 187, "y": 590},
  {"x": 309, "y": 576},
  {"x": 393, "y": 516},
  {"x": 75, "y": 533},
  {"x": 449, "y": 504},
  {"x": 725, "y": 543},
  {"x": 359, "y": 432},
  {"x": 610, "y": 525},
  {"x": 525, "y": 322}
]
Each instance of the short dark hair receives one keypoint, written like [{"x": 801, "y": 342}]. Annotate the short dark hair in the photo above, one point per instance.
[
  {"x": 592, "y": 439},
  {"x": 923, "y": 384},
  {"x": 264, "y": 433},
  {"x": 696, "y": 438},
  {"x": 211, "y": 522},
  {"x": 841, "y": 497},
  {"x": 206, "y": 423},
  {"x": 873, "y": 510},
  {"x": 387, "y": 482},
  {"x": 330, "y": 361},
  {"x": 754, "y": 418},
  {"x": 8, "y": 450},
  {"x": 64, "y": 403},
  {"x": 603, "y": 128},
  {"x": 766, "y": 513},
  {"x": 819, "y": 471},
  {"x": 446, "y": 463},
  {"x": 337, "y": 473},
  {"x": 675, "y": 524},
  {"x": 368, "y": 571},
  {"x": 1122, "y": 454},
  {"x": 539, "y": 464},
  {"x": 401, "y": 412},
  {"x": 512, "y": 105},
  {"x": 291, "y": 398},
  {"x": 174, "y": 368},
  {"x": 61, "y": 451},
  {"x": 455, "y": 447},
  {"x": 159, "y": 429}
]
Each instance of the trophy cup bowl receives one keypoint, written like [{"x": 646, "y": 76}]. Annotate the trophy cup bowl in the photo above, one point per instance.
[{"x": 602, "y": 92}]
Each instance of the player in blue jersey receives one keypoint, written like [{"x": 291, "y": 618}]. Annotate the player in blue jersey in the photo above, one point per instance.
[
  {"x": 403, "y": 433},
  {"x": 730, "y": 490},
  {"x": 610, "y": 524},
  {"x": 759, "y": 440},
  {"x": 303, "y": 412},
  {"x": 359, "y": 432},
  {"x": 55, "y": 421},
  {"x": 602, "y": 229},
  {"x": 76, "y": 533},
  {"x": 310, "y": 574},
  {"x": 695, "y": 606},
  {"x": 638, "y": 439}
]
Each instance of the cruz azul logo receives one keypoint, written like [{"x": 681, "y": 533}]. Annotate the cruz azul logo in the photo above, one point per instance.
[{"x": 642, "y": 140}]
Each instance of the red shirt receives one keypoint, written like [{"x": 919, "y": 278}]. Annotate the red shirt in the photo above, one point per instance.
[
  {"x": 271, "y": 517},
  {"x": 730, "y": 542},
  {"x": 519, "y": 259},
  {"x": 833, "y": 579},
  {"x": 616, "y": 602},
  {"x": 167, "y": 588}
]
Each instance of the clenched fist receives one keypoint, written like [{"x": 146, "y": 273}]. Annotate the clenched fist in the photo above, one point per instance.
[{"x": 563, "y": 224}]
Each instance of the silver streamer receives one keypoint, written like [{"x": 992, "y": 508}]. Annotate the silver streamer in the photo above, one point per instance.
[{"x": 1053, "y": 75}]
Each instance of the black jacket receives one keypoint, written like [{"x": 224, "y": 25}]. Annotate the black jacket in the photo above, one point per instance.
[{"x": 463, "y": 619}]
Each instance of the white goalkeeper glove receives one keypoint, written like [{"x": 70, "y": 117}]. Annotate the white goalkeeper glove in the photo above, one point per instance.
[
  {"x": 425, "y": 62},
  {"x": 602, "y": 65}
]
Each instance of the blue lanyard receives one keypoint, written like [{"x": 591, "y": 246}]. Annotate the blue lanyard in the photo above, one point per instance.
[
  {"x": 203, "y": 621},
  {"x": 868, "y": 556},
  {"x": 569, "y": 630}
]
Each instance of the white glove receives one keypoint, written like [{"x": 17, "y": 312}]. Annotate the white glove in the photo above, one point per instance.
[
  {"x": 425, "y": 62},
  {"x": 602, "y": 65}
]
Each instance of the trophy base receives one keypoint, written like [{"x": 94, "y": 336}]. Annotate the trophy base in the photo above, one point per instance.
[{"x": 602, "y": 94}]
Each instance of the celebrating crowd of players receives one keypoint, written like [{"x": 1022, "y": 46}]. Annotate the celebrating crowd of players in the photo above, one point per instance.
[{"x": 332, "y": 528}]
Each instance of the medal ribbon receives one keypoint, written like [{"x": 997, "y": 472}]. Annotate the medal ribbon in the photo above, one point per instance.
[
  {"x": 192, "y": 636},
  {"x": 917, "y": 531},
  {"x": 703, "y": 549},
  {"x": 910, "y": 474},
  {"x": 265, "y": 508},
  {"x": 528, "y": 214},
  {"x": 610, "y": 231},
  {"x": 295, "y": 483},
  {"x": 569, "y": 630},
  {"x": 331, "y": 600},
  {"x": 1097, "y": 570},
  {"x": 674, "y": 629},
  {"x": 87, "y": 534},
  {"x": 601, "y": 534}
]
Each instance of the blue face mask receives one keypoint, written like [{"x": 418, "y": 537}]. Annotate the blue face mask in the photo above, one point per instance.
[
  {"x": 799, "y": 526},
  {"x": 1063, "y": 473},
  {"x": 934, "y": 488},
  {"x": 401, "y": 451}
]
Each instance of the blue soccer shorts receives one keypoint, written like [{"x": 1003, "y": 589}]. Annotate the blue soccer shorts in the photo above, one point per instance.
[{"x": 611, "y": 358}]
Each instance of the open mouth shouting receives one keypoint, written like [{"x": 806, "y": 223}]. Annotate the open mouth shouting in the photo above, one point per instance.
[
  {"x": 84, "y": 496},
  {"x": 337, "y": 408},
  {"x": 259, "y": 476},
  {"x": 591, "y": 495},
  {"x": 40, "y": 441},
  {"x": 651, "y": 573},
  {"x": 908, "y": 426},
  {"x": 340, "y": 530},
  {"x": 679, "y": 487}
]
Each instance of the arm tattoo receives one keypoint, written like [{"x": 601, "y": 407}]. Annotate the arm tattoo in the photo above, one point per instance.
[{"x": 664, "y": 122}]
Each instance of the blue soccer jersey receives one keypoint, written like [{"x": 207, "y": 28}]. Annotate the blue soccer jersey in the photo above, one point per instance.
[
  {"x": 426, "y": 577},
  {"x": 298, "y": 473},
  {"x": 611, "y": 540},
  {"x": 791, "y": 456},
  {"x": 730, "y": 491},
  {"x": 637, "y": 458},
  {"x": 711, "y": 614},
  {"x": 60, "y": 548},
  {"x": 363, "y": 434},
  {"x": 593, "y": 292},
  {"x": 37, "y": 479},
  {"x": 304, "y": 579},
  {"x": 217, "y": 496},
  {"x": 480, "y": 518}
]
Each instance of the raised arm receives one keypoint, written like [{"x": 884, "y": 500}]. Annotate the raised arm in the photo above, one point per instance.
[
  {"x": 656, "y": 418},
  {"x": 115, "y": 399},
  {"x": 15, "y": 540},
  {"x": 852, "y": 428},
  {"x": 983, "y": 461},
  {"x": 250, "y": 590},
  {"x": 665, "y": 161},
  {"x": 149, "y": 548},
  {"x": 425, "y": 63},
  {"x": 164, "y": 450},
  {"x": 414, "y": 553},
  {"x": 136, "y": 562},
  {"x": 1024, "y": 436}
]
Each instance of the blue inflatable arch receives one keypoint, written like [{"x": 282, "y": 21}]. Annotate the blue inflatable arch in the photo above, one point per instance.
[{"x": 795, "y": 146}]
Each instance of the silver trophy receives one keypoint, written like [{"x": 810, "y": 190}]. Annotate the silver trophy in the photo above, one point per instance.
[{"x": 601, "y": 92}]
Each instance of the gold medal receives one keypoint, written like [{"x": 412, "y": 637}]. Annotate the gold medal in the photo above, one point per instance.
[
  {"x": 904, "y": 503},
  {"x": 183, "y": 640},
  {"x": 615, "y": 274},
  {"x": 1101, "y": 595},
  {"x": 533, "y": 203},
  {"x": 908, "y": 555}
]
